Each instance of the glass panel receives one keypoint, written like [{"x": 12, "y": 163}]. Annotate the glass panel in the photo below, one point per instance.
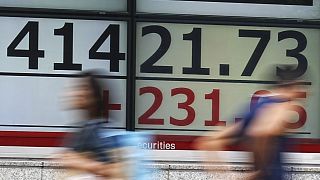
[
  {"x": 34, "y": 74},
  {"x": 229, "y": 9},
  {"x": 97, "y": 5},
  {"x": 193, "y": 78}
]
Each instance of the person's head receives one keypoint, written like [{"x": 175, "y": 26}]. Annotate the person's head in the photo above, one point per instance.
[
  {"x": 288, "y": 83},
  {"x": 87, "y": 95}
]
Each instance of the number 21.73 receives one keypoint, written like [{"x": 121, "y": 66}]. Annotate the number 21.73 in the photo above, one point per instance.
[{"x": 148, "y": 66}]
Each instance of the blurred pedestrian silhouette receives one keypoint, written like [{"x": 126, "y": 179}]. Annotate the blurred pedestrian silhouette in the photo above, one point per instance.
[
  {"x": 95, "y": 152},
  {"x": 262, "y": 129}
]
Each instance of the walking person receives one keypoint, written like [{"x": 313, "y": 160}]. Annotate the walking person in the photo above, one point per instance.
[{"x": 263, "y": 128}]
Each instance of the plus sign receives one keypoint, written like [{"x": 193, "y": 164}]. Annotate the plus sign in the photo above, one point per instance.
[{"x": 108, "y": 106}]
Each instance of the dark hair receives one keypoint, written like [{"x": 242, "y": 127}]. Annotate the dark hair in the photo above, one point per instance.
[
  {"x": 97, "y": 89},
  {"x": 288, "y": 76}
]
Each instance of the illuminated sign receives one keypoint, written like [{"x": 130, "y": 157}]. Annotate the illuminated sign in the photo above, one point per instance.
[
  {"x": 41, "y": 57},
  {"x": 193, "y": 78}
]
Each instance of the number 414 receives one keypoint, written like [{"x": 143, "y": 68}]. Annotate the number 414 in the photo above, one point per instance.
[{"x": 34, "y": 53}]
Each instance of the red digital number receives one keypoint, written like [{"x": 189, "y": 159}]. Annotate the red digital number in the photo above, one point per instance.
[
  {"x": 214, "y": 96},
  {"x": 185, "y": 105},
  {"x": 301, "y": 111},
  {"x": 145, "y": 118},
  {"x": 109, "y": 106}
]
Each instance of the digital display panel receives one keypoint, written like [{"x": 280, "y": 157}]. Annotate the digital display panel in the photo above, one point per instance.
[
  {"x": 193, "y": 78},
  {"x": 40, "y": 59}
]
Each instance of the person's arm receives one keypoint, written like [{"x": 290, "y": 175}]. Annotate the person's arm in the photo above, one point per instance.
[
  {"x": 81, "y": 162},
  {"x": 215, "y": 141}
]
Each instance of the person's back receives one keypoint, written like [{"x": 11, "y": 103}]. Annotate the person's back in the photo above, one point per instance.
[
  {"x": 263, "y": 125},
  {"x": 269, "y": 127}
]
